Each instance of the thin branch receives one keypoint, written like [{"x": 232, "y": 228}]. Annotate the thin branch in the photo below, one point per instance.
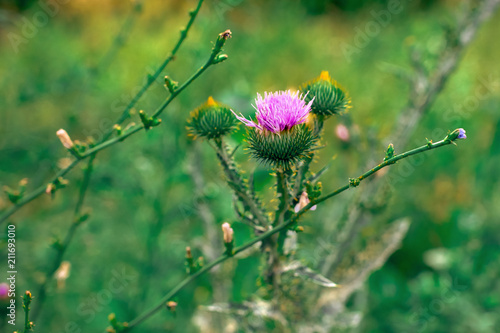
[
  {"x": 121, "y": 37},
  {"x": 61, "y": 248},
  {"x": 184, "y": 32},
  {"x": 354, "y": 182},
  {"x": 173, "y": 292},
  {"x": 426, "y": 86},
  {"x": 238, "y": 185},
  {"x": 132, "y": 130}
]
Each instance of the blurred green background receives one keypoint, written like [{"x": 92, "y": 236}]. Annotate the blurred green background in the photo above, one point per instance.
[{"x": 143, "y": 204}]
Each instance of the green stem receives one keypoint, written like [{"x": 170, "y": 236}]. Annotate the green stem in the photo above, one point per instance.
[
  {"x": 370, "y": 172},
  {"x": 277, "y": 244},
  {"x": 61, "y": 250},
  {"x": 238, "y": 185},
  {"x": 304, "y": 167},
  {"x": 200, "y": 272},
  {"x": 28, "y": 327},
  {"x": 275, "y": 230},
  {"x": 284, "y": 194},
  {"x": 36, "y": 193},
  {"x": 114, "y": 140},
  {"x": 120, "y": 38},
  {"x": 126, "y": 113}
]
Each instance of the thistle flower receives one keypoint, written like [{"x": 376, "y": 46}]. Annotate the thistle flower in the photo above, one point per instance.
[
  {"x": 65, "y": 139},
  {"x": 329, "y": 97},
  {"x": 279, "y": 111},
  {"x": 227, "y": 232},
  {"x": 280, "y": 136},
  {"x": 303, "y": 201},
  {"x": 211, "y": 120}
]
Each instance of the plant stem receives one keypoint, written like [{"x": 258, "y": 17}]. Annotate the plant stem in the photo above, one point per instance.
[
  {"x": 282, "y": 190},
  {"x": 110, "y": 142},
  {"x": 192, "y": 277},
  {"x": 120, "y": 38},
  {"x": 275, "y": 230},
  {"x": 304, "y": 167},
  {"x": 126, "y": 113},
  {"x": 61, "y": 250},
  {"x": 370, "y": 172},
  {"x": 28, "y": 327},
  {"x": 238, "y": 185}
]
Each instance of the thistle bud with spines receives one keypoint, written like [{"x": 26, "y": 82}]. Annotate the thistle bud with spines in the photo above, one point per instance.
[
  {"x": 329, "y": 97},
  {"x": 211, "y": 120}
]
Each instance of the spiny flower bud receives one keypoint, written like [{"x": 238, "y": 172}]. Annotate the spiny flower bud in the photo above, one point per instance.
[
  {"x": 329, "y": 97},
  {"x": 280, "y": 136},
  {"x": 211, "y": 120},
  {"x": 303, "y": 202},
  {"x": 65, "y": 139},
  {"x": 227, "y": 232}
]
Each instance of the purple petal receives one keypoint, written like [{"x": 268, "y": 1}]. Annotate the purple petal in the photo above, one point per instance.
[{"x": 245, "y": 121}]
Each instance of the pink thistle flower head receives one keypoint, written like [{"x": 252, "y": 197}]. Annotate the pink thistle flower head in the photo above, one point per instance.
[{"x": 278, "y": 111}]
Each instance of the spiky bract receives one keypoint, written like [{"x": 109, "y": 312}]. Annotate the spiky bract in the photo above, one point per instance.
[
  {"x": 329, "y": 97},
  {"x": 281, "y": 150},
  {"x": 211, "y": 120}
]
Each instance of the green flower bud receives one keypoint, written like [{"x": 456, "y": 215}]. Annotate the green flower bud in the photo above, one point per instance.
[
  {"x": 147, "y": 121},
  {"x": 171, "y": 84},
  {"x": 329, "y": 97},
  {"x": 211, "y": 120},
  {"x": 220, "y": 58},
  {"x": 389, "y": 152}
]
